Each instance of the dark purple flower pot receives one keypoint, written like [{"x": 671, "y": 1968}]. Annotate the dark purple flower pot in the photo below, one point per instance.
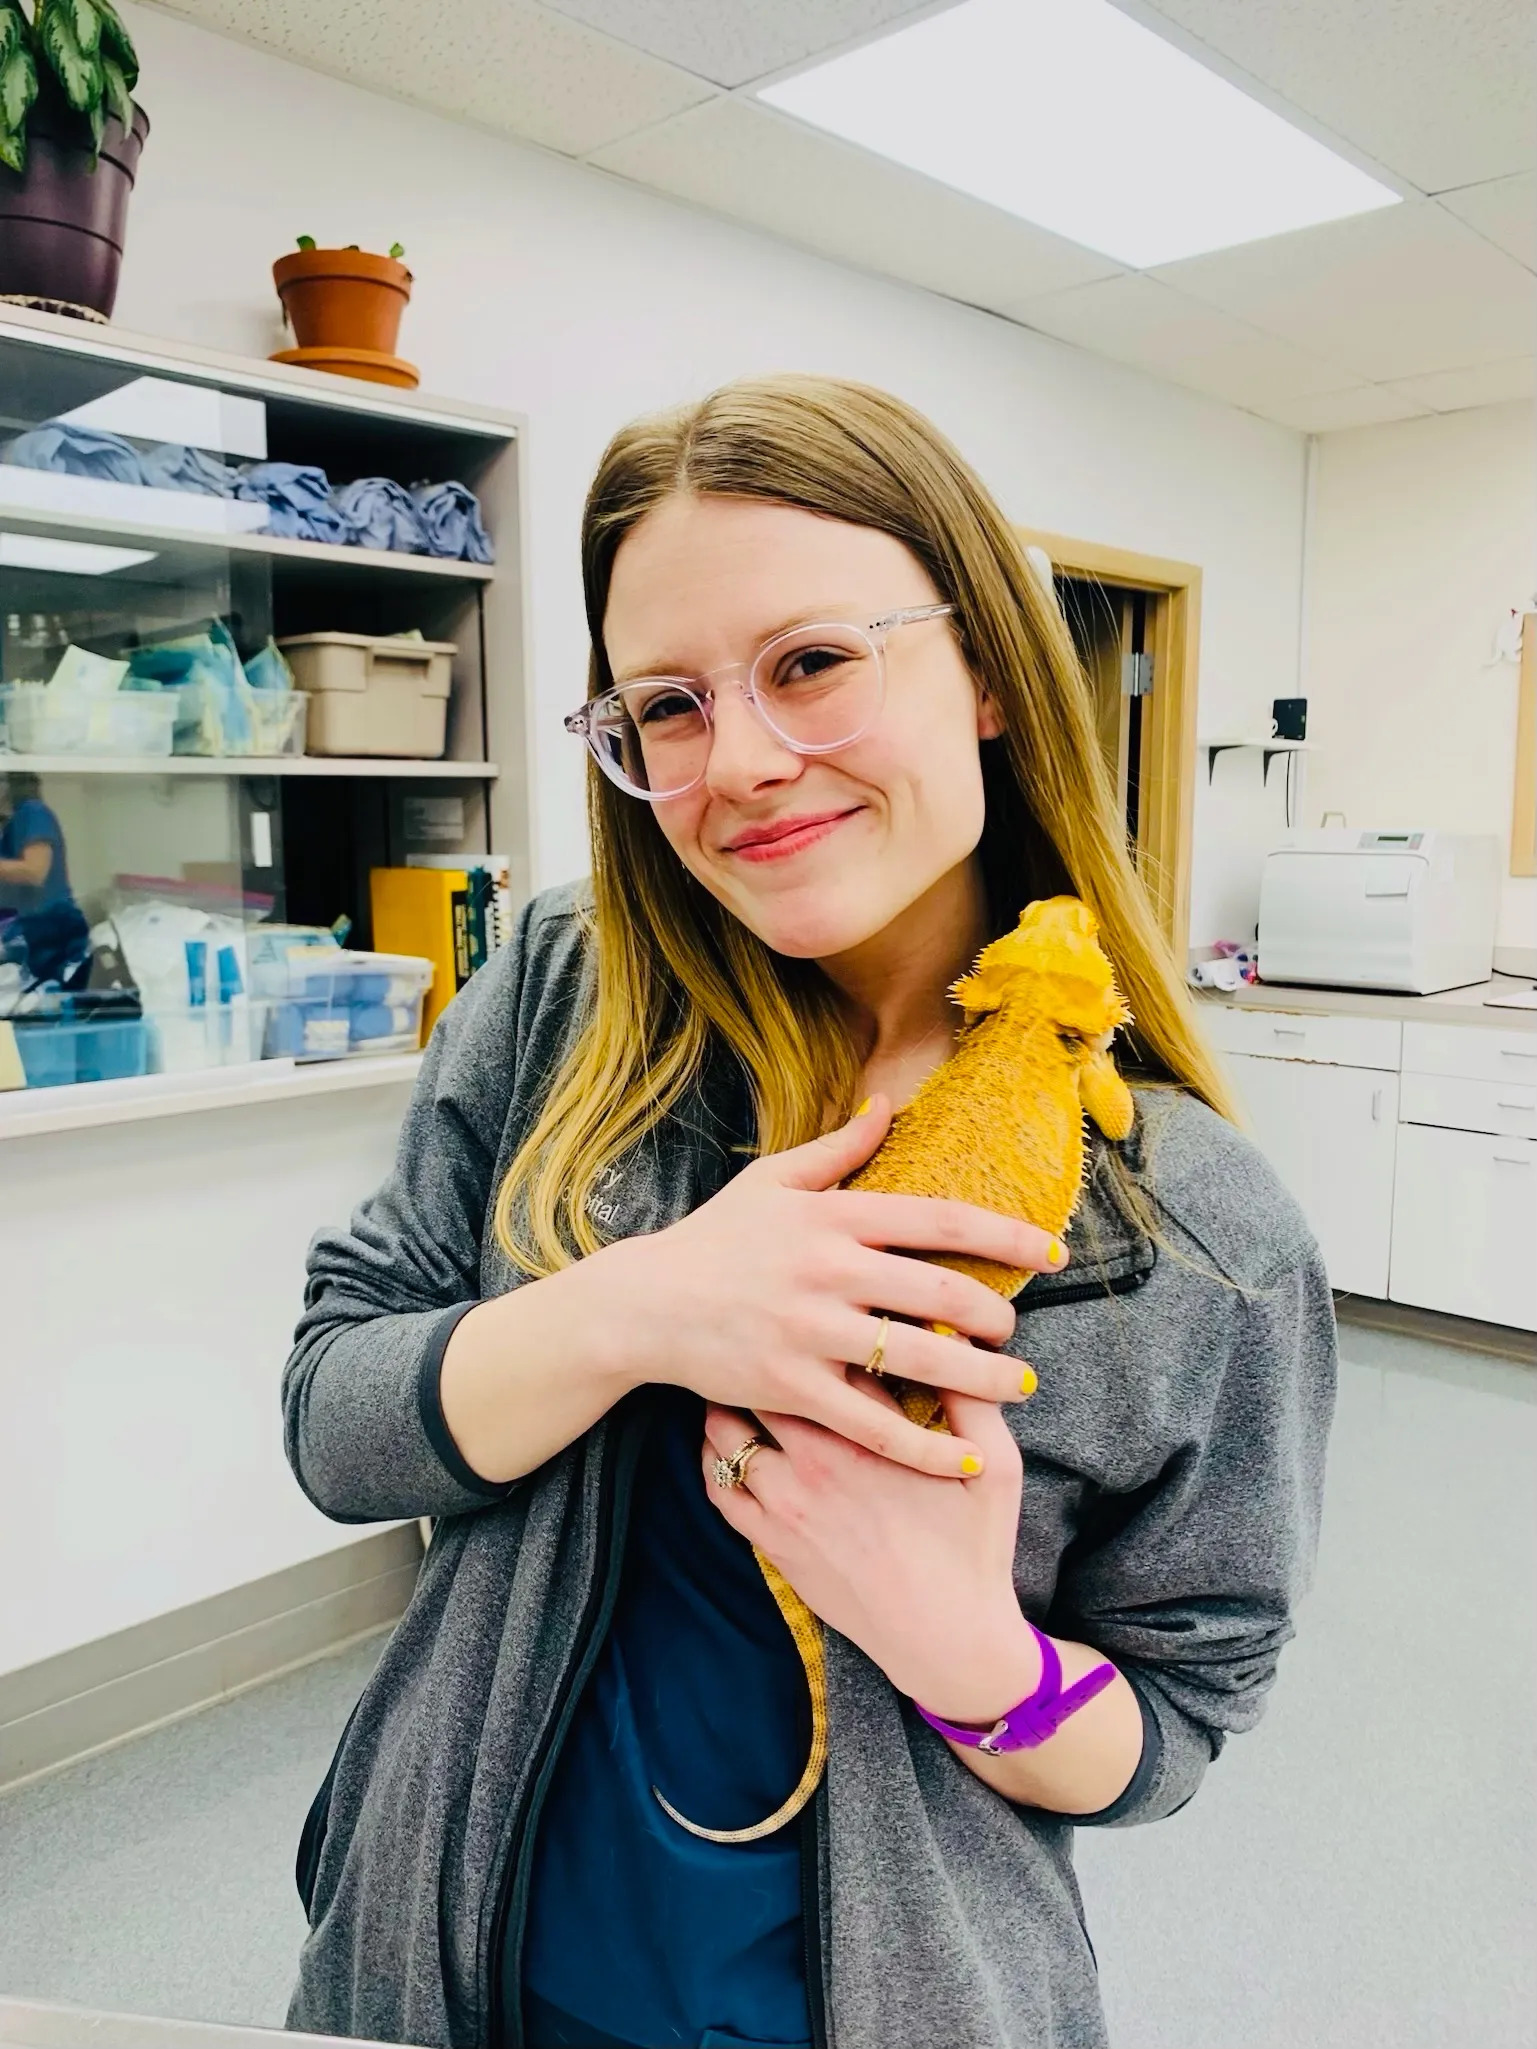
[{"x": 62, "y": 222}]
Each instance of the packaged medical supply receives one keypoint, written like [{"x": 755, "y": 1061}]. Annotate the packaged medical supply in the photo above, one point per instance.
[{"x": 338, "y": 1003}]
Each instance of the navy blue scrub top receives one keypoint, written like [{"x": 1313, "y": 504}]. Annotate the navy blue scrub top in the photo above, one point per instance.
[
  {"x": 31, "y": 824},
  {"x": 636, "y": 1928}
]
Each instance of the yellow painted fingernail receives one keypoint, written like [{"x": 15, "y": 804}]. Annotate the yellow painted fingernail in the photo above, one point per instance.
[
  {"x": 971, "y": 1466},
  {"x": 1028, "y": 1381},
  {"x": 944, "y": 1330},
  {"x": 864, "y": 1106},
  {"x": 1054, "y": 1253}
]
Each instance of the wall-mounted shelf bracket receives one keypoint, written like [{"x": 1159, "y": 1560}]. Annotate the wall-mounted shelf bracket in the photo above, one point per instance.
[{"x": 1269, "y": 748}]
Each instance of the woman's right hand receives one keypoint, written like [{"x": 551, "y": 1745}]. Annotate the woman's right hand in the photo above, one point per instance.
[{"x": 765, "y": 1296}]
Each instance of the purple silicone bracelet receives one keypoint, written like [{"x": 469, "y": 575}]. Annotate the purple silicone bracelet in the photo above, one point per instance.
[{"x": 1032, "y": 1721}]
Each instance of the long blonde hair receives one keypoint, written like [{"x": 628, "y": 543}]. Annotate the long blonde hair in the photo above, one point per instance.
[{"x": 675, "y": 976}]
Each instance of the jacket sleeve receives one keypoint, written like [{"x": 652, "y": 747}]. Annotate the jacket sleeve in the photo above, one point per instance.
[
  {"x": 363, "y": 1427},
  {"x": 1192, "y": 1594}
]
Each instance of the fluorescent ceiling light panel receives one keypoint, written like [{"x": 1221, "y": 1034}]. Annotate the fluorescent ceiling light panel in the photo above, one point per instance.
[
  {"x": 69, "y": 558},
  {"x": 1070, "y": 114}
]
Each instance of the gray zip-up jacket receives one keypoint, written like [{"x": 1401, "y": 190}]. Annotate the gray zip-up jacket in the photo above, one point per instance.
[{"x": 1173, "y": 1466}]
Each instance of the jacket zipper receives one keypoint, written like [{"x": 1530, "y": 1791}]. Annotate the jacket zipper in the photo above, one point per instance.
[
  {"x": 614, "y": 1488},
  {"x": 811, "y": 1921},
  {"x": 1029, "y": 1302}
]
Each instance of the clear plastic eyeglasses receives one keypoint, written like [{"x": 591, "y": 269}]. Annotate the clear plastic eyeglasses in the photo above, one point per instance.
[{"x": 817, "y": 688}]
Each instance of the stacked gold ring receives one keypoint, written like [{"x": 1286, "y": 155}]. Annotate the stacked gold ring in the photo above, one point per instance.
[
  {"x": 731, "y": 1471},
  {"x": 876, "y": 1363}
]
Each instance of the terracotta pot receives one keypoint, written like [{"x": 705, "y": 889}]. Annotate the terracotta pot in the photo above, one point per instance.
[
  {"x": 62, "y": 220},
  {"x": 343, "y": 298}
]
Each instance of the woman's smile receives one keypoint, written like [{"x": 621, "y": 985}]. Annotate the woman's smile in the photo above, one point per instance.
[{"x": 777, "y": 839}]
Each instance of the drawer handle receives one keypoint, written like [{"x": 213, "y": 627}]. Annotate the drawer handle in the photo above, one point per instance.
[
  {"x": 1300, "y": 1032},
  {"x": 1376, "y": 1106},
  {"x": 1508, "y": 1053},
  {"x": 1501, "y": 1103},
  {"x": 1509, "y": 1160}
]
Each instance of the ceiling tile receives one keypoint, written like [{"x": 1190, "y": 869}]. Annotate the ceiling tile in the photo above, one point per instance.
[
  {"x": 735, "y": 41},
  {"x": 1491, "y": 384},
  {"x": 747, "y": 161},
  {"x": 1440, "y": 91},
  {"x": 504, "y": 64},
  {"x": 1364, "y": 405},
  {"x": 1394, "y": 294},
  {"x": 1504, "y": 211},
  {"x": 1140, "y": 321}
]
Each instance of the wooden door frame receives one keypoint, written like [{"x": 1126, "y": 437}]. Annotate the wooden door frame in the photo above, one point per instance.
[
  {"x": 1169, "y": 718},
  {"x": 1523, "y": 813}
]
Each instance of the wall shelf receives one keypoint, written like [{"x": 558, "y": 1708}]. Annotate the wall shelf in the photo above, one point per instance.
[
  {"x": 292, "y": 557},
  {"x": 28, "y": 1113},
  {"x": 251, "y": 765},
  {"x": 1266, "y": 744}
]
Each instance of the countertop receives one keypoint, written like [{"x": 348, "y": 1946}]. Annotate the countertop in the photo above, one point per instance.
[
  {"x": 1449, "y": 1007},
  {"x": 37, "y": 2024}
]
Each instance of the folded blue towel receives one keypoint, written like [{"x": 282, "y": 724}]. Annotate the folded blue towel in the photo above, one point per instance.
[
  {"x": 77, "y": 452},
  {"x": 298, "y": 498},
  {"x": 380, "y": 514},
  {"x": 451, "y": 516},
  {"x": 170, "y": 467}
]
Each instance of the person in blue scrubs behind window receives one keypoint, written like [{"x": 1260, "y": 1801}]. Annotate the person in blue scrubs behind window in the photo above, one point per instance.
[{"x": 47, "y": 931}]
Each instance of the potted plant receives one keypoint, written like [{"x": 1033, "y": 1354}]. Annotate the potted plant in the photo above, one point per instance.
[
  {"x": 70, "y": 137},
  {"x": 344, "y": 306}
]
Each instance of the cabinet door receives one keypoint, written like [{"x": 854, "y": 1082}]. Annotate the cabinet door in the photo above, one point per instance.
[
  {"x": 1465, "y": 1225},
  {"x": 1330, "y": 1132}
]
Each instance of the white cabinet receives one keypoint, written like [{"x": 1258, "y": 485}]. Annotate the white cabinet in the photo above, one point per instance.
[
  {"x": 1465, "y": 1224},
  {"x": 1299, "y": 1035},
  {"x": 1412, "y": 1149},
  {"x": 1329, "y": 1133}
]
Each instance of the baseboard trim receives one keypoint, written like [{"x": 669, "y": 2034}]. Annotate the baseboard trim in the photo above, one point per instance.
[
  {"x": 1499, "y": 1340},
  {"x": 91, "y": 1698}
]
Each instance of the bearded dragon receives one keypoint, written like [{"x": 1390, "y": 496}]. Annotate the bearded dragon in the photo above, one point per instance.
[{"x": 998, "y": 1124}]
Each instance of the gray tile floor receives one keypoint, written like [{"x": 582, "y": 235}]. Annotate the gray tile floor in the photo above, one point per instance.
[{"x": 1357, "y": 1872}]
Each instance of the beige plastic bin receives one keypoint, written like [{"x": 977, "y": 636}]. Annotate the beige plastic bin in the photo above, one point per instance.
[{"x": 373, "y": 695}]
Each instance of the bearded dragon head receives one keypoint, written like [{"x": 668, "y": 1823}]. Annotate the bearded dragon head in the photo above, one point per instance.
[{"x": 1052, "y": 967}]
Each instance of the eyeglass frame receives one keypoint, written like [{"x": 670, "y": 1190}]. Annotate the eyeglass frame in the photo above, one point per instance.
[{"x": 581, "y": 721}]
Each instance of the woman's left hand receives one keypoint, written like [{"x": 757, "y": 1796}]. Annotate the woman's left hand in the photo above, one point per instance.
[{"x": 916, "y": 1570}]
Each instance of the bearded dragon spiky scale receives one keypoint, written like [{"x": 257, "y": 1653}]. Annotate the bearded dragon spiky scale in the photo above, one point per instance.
[{"x": 1000, "y": 1124}]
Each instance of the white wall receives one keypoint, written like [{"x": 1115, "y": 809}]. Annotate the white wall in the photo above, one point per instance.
[
  {"x": 151, "y": 1276},
  {"x": 581, "y": 300},
  {"x": 1423, "y": 533}
]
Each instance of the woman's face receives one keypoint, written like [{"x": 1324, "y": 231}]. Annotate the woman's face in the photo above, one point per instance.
[{"x": 855, "y": 837}]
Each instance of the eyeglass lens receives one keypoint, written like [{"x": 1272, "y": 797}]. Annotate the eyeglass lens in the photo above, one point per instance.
[{"x": 817, "y": 687}]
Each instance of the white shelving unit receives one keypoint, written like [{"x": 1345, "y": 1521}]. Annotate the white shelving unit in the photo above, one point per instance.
[
  {"x": 372, "y": 765},
  {"x": 330, "y": 817},
  {"x": 32, "y": 1113},
  {"x": 153, "y": 1229},
  {"x": 315, "y": 555}
]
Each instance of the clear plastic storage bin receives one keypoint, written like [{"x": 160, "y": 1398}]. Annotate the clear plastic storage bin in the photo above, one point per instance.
[
  {"x": 194, "y": 1037},
  {"x": 277, "y": 723},
  {"x": 57, "y": 1051},
  {"x": 39, "y": 720},
  {"x": 340, "y": 1004}
]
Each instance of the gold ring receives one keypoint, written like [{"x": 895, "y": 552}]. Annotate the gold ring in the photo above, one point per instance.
[
  {"x": 732, "y": 1472},
  {"x": 876, "y": 1363}
]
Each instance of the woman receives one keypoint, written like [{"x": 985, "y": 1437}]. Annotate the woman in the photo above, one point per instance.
[
  {"x": 844, "y": 739},
  {"x": 41, "y": 925}
]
